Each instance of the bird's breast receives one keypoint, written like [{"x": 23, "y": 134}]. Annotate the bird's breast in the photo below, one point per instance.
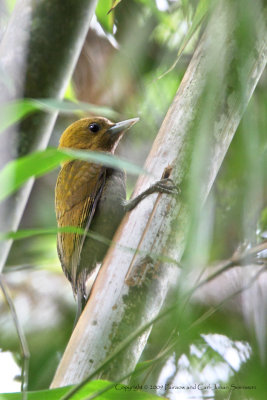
[
  {"x": 110, "y": 210},
  {"x": 108, "y": 215}
]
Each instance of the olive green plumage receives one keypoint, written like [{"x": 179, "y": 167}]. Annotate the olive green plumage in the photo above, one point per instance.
[{"x": 88, "y": 196}]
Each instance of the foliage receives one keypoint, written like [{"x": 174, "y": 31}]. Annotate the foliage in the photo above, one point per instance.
[
  {"x": 92, "y": 389},
  {"x": 17, "y": 172}
]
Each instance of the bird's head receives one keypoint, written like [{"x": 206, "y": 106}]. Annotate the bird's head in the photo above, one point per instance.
[{"x": 96, "y": 133}]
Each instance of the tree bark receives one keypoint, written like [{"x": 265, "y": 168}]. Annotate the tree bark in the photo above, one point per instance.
[
  {"x": 38, "y": 53},
  {"x": 192, "y": 142}
]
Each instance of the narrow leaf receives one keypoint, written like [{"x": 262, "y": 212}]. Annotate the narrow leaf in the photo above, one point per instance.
[
  {"x": 117, "y": 392},
  {"x": 115, "y": 3},
  {"x": 105, "y": 19},
  {"x": 201, "y": 12},
  {"x": 17, "y": 172},
  {"x": 16, "y": 110},
  {"x": 68, "y": 107},
  {"x": 106, "y": 159}
]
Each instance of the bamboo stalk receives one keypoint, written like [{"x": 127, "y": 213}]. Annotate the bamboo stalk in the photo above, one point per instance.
[{"x": 131, "y": 287}]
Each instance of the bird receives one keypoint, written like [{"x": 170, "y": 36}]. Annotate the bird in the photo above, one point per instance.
[{"x": 92, "y": 197}]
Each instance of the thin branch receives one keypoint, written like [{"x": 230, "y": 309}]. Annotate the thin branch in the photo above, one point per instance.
[
  {"x": 241, "y": 259},
  {"x": 239, "y": 291}
]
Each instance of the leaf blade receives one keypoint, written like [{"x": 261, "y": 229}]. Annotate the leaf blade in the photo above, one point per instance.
[
  {"x": 14, "y": 111},
  {"x": 36, "y": 164}
]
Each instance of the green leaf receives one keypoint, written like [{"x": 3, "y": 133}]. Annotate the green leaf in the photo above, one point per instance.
[
  {"x": 27, "y": 233},
  {"x": 115, "y": 3},
  {"x": 70, "y": 93},
  {"x": 106, "y": 159},
  {"x": 185, "y": 7},
  {"x": 201, "y": 13},
  {"x": 202, "y": 10},
  {"x": 105, "y": 19},
  {"x": 14, "y": 111},
  {"x": 68, "y": 107},
  {"x": 117, "y": 392},
  {"x": 17, "y": 172}
]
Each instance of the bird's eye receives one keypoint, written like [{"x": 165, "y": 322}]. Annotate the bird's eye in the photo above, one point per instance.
[{"x": 94, "y": 127}]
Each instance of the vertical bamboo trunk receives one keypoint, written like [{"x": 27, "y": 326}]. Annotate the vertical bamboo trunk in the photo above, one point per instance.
[{"x": 132, "y": 285}]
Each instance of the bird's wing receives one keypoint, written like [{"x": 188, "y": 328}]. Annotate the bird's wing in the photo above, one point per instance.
[{"x": 78, "y": 190}]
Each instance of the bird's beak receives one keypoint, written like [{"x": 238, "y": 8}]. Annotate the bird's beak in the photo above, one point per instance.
[{"x": 122, "y": 126}]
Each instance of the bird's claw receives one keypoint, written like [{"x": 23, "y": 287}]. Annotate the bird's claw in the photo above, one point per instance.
[
  {"x": 167, "y": 186},
  {"x": 163, "y": 186}
]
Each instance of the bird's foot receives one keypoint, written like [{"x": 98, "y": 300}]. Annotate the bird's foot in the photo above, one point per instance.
[{"x": 165, "y": 185}]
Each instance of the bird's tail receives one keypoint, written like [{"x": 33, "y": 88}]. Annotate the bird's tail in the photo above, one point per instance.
[
  {"x": 81, "y": 302},
  {"x": 83, "y": 289}
]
